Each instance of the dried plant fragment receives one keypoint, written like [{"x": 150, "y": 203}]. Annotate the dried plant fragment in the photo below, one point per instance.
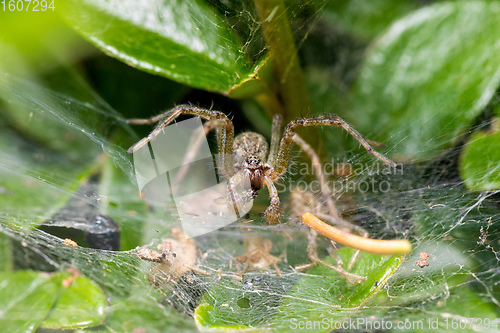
[
  {"x": 175, "y": 257},
  {"x": 423, "y": 260}
]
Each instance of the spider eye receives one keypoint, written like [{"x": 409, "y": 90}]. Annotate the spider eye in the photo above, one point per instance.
[{"x": 253, "y": 161}]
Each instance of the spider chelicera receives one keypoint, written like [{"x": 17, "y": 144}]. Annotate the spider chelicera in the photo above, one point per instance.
[{"x": 248, "y": 157}]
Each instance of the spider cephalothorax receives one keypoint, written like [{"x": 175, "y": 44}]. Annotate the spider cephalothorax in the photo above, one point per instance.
[
  {"x": 248, "y": 157},
  {"x": 250, "y": 151}
]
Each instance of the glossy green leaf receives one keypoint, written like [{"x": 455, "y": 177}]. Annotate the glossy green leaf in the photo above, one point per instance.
[
  {"x": 468, "y": 303},
  {"x": 26, "y": 298},
  {"x": 427, "y": 78},
  {"x": 31, "y": 180},
  {"x": 181, "y": 40},
  {"x": 31, "y": 299},
  {"x": 443, "y": 287},
  {"x": 80, "y": 304},
  {"x": 480, "y": 162},
  {"x": 470, "y": 313}
]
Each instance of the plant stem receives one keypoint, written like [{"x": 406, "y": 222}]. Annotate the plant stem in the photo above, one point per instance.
[
  {"x": 291, "y": 87},
  {"x": 375, "y": 246}
]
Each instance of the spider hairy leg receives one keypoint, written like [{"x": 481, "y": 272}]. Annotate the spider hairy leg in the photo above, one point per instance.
[
  {"x": 302, "y": 201},
  {"x": 275, "y": 139},
  {"x": 272, "y": 213},
  {"x": 321, "y": 120},
  {"x": 225, "y": 131},
  {"x": 195, "y": 144},
  {"x": 319, "y": 174},
  {"x": 312, "y": 253}
]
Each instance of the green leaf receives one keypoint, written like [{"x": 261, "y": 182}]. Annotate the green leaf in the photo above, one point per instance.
[
  {"x": 32, "y": 179},
  {"x": 467, "y": 303},
  {"x": 181, "y": 40},
  {"x": 142, "y": 312},
  {"x": 26, "y": 298},
  {"x": 6, "y": 255},
  {"x": 377, "y": 269},
  {"x": 81, "y": 304},
  {"x": 40, "y": 36},
  {"x": 257, "y": 81},
  {"x": 204, "y": 320},
  {"x": 38, "y": 167},
  {"x": 328, "y": 295},
  {"x": 428, "y": 77},
  {"x": 365, "y": 18},
  {"x": 322, "y": 293},
  {"x": 480, "y": 162}
]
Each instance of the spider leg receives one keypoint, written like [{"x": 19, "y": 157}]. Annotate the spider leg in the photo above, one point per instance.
[
  {"x": 322, "y": 120},
  {"x": 272, "y": 261},
  {"x": 290, "y": 137},
  {"x": 194, "y": 146},
  {"x": 151, "y": 120},
  {"x": 239, "y": 197},
  {"x": 246, "y": 258},
  {"x": 197, "y": 270},
  {"x": 275, "y": 139},
  {"x": 361, "y": 231},
  {"x": 319, "y": 174},
  {"x": 313, "y": 255},
  {"x": 272, "y": 213},
  {"x": 225, "y": 131}
]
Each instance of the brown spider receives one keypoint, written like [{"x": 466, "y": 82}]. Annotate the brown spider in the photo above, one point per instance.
[
  {"x": 247, "y": 157},
  {"x": 258, "y": 255}
]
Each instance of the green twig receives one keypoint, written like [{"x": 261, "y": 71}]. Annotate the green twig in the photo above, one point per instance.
[{"x": 290, "y": 85}]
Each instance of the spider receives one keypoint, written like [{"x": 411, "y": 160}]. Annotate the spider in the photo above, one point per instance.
[
  {"x": 258, "y": 255},
  {"x": 248, "y": 157}
]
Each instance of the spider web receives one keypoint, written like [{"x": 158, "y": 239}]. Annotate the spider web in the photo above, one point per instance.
[{"x": 426, "y": 203}]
